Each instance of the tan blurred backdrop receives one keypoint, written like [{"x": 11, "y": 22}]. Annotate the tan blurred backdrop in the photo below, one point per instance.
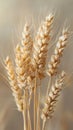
[{"x": 13, "y": 15}]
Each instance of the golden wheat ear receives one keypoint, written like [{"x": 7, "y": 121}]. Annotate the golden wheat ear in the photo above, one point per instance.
[
  {"x": 55, "y": 58},
  {"x": 23, "y": 57},
  {"x": 17, "y": 93},
  {"x": 49, "y": 106},
  {"x": 41, "y": 45},
  {"x": 20, "y": 69}
]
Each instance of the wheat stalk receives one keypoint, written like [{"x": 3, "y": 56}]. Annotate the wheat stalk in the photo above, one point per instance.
[{"x": 40, "y": 54}]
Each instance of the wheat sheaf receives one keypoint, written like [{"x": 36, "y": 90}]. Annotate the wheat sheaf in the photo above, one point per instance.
[{"x": 26, "y": 75}]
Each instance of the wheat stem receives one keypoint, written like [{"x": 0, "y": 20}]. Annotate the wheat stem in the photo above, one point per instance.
[
  {"x": 24, "y": 119},
  {"x": 24, "y": 110},
  {"x": 38, "y": 109},
  {"x": 29, "y": 121},
  {"x": 35, "y": 106},
  {"x": 43, "y": 126},
  {"x": 49, "y": 86},
  {"x": 28, "y": 114}
]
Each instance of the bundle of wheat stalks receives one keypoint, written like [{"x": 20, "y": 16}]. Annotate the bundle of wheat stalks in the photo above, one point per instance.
[{"x": 29, "y": 70}]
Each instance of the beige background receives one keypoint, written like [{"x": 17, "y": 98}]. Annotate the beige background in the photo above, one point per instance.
[{"x": 13, "y": 15}]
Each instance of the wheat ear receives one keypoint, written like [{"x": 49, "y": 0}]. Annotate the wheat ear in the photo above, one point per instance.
[
  {"x": 26, "y": 49},
  {"x": 20, "y": 69},
  {"x": 23, "y": 57},
  {"x": 51, "y": 100},
  {"x": 41, "y": 45},
  {"x": 55, "y": 59},
  {"x": 17, "y": 93},
  {"x": 27, "y": 45}
]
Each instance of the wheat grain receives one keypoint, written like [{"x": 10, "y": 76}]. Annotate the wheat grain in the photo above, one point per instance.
[
  {"x": 27, "y": 44},
  {"x": 17, "y": 93},
  {"x": 23, "y": 57},
  {"x": 41, "y": 45},
  {"x": 52, "y": 97},
  {"x": 20, "y": 71},
  {"x": 55, "y": 59}
]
